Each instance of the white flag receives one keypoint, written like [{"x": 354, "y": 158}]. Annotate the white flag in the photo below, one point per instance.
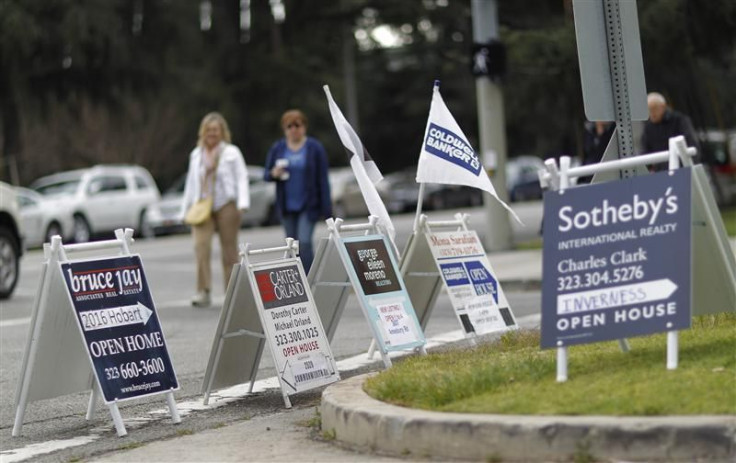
[
  {"x": 447, "y": 156},
  {"x": 365, "y": 169}
]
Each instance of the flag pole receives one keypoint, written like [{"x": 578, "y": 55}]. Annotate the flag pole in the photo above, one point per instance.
[
  {"x": 435, "y": 86},
  {"x": 419, "y": 206}
]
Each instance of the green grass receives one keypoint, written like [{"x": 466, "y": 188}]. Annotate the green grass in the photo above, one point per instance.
[
  {"x": 729, "y": 219},
  {"x": 532, "y": 244},
  {"x": 513, "y": 376}
]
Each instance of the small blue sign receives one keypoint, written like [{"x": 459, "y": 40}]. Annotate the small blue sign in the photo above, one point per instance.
[
  {"x": 616, "y": 259},
  {"x": 454, "y": 274},
  {"x": 483, "y": 281},
  {"x": 451, "y": 147}
]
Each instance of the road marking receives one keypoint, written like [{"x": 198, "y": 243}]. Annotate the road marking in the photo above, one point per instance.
[
  {"x": 14, "y": 322},
  {"x": 26, "y": 292},
  {"x": 42, "y": 448},
  {"x": 222, "y": 397}
]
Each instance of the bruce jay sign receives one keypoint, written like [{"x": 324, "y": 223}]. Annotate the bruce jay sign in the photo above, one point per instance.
[
  {"x": 616, "y": 259},
  {"x": 121, "y": 330}
]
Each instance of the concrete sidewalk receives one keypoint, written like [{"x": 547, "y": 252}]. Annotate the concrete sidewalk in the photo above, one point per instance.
[
  {"x": 287, "y": 436},
  {"x": 365, "y": 428}
]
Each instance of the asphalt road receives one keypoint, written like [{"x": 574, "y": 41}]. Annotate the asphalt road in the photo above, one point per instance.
[{"x": 169, "y": 266}]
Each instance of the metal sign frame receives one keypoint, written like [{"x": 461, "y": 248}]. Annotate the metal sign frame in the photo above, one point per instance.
[
  {"x": 239, "y": 340},
  {"x": 90, "y": 321},
  {"x": 460, "y": 254},
  {"x": 330, "y": 285},
  {"x": 55, "y": 346},
  {"x": 240, "y": 337},
  {"x": 713, "y": 264},
  {"x": 420, "y": 270},
  {"x": 332, "y": 276}
]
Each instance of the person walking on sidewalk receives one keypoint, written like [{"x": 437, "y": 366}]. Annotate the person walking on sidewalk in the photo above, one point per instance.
[
  {"x": 663, "y": 124},
  {"x": 596, "y": 137},
  {"x": 298, "y": 165},
  {"x": 217, "y": 172}
]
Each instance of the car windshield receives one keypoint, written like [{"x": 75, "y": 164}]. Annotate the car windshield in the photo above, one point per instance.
[{"x": 64, "y": 188}]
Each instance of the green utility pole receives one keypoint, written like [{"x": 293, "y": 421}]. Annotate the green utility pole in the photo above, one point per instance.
[{"x": 488, "y": 63}]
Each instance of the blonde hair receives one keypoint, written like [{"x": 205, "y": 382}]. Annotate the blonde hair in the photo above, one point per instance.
[
  {"x": 207, "y": 120},
  {"x": 293, "y": 115}
]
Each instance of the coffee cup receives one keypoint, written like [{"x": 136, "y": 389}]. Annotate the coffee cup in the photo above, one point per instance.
[{"x": 283, "y": 164}]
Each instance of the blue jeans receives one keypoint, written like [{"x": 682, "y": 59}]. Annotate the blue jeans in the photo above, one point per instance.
[{"x": 299, "y": 227}]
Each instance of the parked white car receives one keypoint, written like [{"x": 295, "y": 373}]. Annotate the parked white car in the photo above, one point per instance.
[
  {"x": 11, "y": 247},
  {"x": 163, "y": 217},
  {"x": 102, "y": 198},
  {"x": 43, "y": 217}
]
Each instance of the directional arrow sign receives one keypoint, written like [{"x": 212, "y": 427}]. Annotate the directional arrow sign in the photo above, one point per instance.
[
  {"x": 617, "y": 296},
  {"x": 113, "y": 317}
]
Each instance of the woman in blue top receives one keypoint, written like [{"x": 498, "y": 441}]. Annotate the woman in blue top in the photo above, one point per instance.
[{"x": 298, "y": 165}]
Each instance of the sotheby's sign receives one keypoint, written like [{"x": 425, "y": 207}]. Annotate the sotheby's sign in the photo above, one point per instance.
[{"x": 617, "y": 259}]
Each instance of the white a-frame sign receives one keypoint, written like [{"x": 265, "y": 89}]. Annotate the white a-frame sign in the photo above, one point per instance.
[
  {"x": 366, "y": 262},
  {"x": 270, "y": 301},
  {"x": 121, "y": 353},
  {"x": 447, "y": 254}
]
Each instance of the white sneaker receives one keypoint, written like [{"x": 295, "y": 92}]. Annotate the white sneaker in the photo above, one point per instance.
[{"x": 201, "y": 299}]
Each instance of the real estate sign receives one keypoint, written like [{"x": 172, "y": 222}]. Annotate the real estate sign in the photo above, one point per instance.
[
  {"x": 120, "y": 327},
  {"x": 617, "y": 259},
  {"x": 292, "y": 326},
  {"x": 471, "y": 283},
  {"x": 382, "y": 294}
]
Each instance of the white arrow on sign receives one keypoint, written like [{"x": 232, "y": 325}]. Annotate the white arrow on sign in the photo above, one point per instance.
[
  {"x": 617, "y": 296},
  {"x": 113, "y": 317}
]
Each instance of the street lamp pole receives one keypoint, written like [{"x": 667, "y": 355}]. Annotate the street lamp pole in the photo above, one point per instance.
[{"x": 492, "y": 128}]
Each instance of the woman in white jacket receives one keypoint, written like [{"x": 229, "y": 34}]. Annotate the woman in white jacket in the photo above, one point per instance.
[{"x": 216, "y": 170}]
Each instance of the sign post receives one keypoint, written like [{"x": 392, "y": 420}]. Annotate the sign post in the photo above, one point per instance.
[
  {"x": 121, "y": 336},
  {"x": 612, "y": 73},
  {"x": 277, "y": 291}
]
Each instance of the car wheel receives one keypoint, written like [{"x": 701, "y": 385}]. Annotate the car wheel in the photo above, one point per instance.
[
  {"x": 9, "y": 262},
  {"x": 54, "y": 229},
  {"x": 82, "y": 232},
  {"x": 144, "y": 227}
]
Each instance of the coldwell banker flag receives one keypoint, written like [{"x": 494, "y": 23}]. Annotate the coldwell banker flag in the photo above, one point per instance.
[
  {"x": 447, "y": 156},
  {"x": 365, "y": 170}
]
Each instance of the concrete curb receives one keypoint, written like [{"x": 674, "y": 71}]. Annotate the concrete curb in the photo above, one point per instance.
[{"x": 365, "y": 423}]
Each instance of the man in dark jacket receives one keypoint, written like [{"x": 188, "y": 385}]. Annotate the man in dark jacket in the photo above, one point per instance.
[{"x": 663, "y": 124}]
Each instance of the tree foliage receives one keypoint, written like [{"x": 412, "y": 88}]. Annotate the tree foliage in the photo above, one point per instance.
[{"x": 93, "y": 81}]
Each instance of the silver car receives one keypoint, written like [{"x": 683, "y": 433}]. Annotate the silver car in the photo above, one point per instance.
[
  {"x": 102, "y": 198},
  {"x": 43, "y": 217},
  {"x": 164, "y": 216},
  {"x": 11, "y": 247}
]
